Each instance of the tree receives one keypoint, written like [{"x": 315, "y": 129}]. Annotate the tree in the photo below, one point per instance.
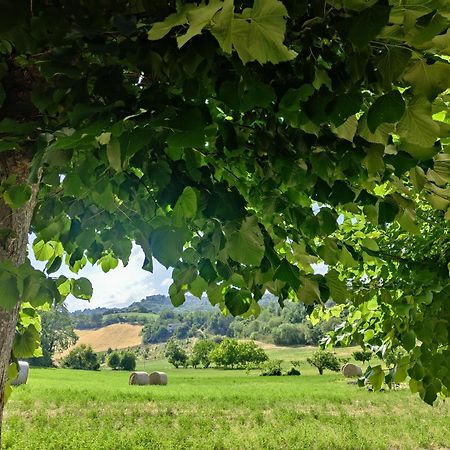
[
  {"x": 128, "y": 361},
  {"x": 288, "y": 334},
  {"x": 225, "y": 141},
  {"x": 322, "y": 359},
  {"x": 175, "y": 353},
  {"x": 82, "y": 357},
  {"x": 232, "y": 353},
  {"x": 200, "y": 352},
  {"x": 114, "y": 360},
  {"x": 57, "y": 334}
]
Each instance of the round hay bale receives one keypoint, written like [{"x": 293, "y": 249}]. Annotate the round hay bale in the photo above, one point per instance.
[
  {"x": 351, "y": 370},
  {"x": 22, "y": 376},
  {"x": 139, "y": 378},
  {"x": 158, "y": 378}
]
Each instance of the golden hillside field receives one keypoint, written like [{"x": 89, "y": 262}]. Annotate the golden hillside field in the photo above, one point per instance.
[{"x": 115, "y": 336}]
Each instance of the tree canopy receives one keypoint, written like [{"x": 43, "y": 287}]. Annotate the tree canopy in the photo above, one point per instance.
[{"x": 238, "y": 142}]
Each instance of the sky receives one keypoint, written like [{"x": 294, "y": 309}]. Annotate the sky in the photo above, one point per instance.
[{"x": 119, "y": 287}]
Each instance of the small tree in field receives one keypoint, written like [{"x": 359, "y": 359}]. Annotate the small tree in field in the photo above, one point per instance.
[
  {"x": 82, "y": 357},
  {"x": 128, "y": 361},
  {"x": 114, "y": 360},
  {"x": 175, "y": 353},
  {"x": 201, "y": 351},
  {"x": 322, "y": 360},
  {"x": 362, "y": 356}
]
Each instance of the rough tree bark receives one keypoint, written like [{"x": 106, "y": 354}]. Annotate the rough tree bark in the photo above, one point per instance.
[{"x": 14, "y": 249}]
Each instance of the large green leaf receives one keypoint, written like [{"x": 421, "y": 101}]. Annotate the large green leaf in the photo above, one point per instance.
[
  {"x": 222, "y": 26},
  {"x": 82, "y": 288},
  {"x": 186, "y": 205},
  {"x": 167, "y": 244},
  {"x": 259, "y": 35},
  {"x": 246, "y": 245},
  {"x": 8, "y": 287},
  {"x": 388, "y": 108},
  {"x": 368, "y": 24},
  {"x": 417, "y": 126},
  {"x": 160, "y": 29}
]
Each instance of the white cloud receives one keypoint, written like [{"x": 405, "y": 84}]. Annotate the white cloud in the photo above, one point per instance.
[
  {"x": 118, "y": 287},
  {"x": 166, "y": 282}
]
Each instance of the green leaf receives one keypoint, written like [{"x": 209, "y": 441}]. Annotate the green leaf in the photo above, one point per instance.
[
  {"x": 222, "y": 26},
  {"x": 408, "y": 339},
  {"x": 167, "y": 245},
  {"x": 238, "y": 301},
  {"x": 177, "y": 296},
  {"x": 288, "y": 273},
  {"x": 338, "y": 289},
  {"x": 368, "y": 24},
  {"x": 9, "y": 291},
  {"x": 246, "y": 245},
  {"x": 198, "y": 18},
  {"x": 43, "y": 251},
  {"x": 17, "y": 196},
  {"x": 113, "y": 153},
  {"x": 401, "y": 370},
  {"x": 417, "y": 127},
  {"x": 160, "y": 29},
  {"x": 428, "y": 79},
  {"x": 108, "y": 262},
  {"x": 376, "y": 378},
  {"x": 388, "y": 108},
  {"x": 392, "y": 63},
  {"x": 309, "y": 291},
  {"x": 259, "y": 35},
  {"x": 186, "y": 205},
  {"x": 198, "y": 286},
  {"x": 82, "y": 288}
]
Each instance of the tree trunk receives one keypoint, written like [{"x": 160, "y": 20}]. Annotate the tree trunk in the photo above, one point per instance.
[{"x": 14, "y": 248}]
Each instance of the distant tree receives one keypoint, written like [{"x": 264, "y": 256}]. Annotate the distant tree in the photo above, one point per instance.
[
  {"x": 82, "y": 357},
  {"x": 288, "y": 334},
  {"x": 232, "y": 353},
  {"x": 175, "y": 353},
  {"x": 272, "y": 368},
  {"x": 128, "y": 361},
  {"x": 182, "y": 331},
  {"x": 114, "y": 360},
  {"x": 322, "y": 359},
  {"x": 362, "y": 356},
  {"x": 200, "y": 352},
  {"x": 57, "y": 334}
]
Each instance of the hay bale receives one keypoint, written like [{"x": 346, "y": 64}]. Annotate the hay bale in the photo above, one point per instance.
[
  {"x": 139, "y": 378},
  {"x": 158, "y": 378},
  {"x": 351, "y": 370},
  {"x": 22, "y": 376}
]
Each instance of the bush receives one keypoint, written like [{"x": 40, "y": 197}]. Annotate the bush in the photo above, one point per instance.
[
  {"x": 82, "y": 357},
  {"x": 175, "y": 353},
  {"x": 295, "y": 368},
  {"x": 114, "y": 360},
  {"x": 271, "y": 368},
  {"x": 324, "y": 360},
  {"x": 128, "y": 361}
]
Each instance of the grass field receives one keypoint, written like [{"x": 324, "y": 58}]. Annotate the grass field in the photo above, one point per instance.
[{"x": 217, "y": 409}]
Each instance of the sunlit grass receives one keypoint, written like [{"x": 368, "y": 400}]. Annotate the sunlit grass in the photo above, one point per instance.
[{"x": 217, "y": 409}]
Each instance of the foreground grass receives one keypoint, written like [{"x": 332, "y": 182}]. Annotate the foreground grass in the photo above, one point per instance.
[{"x": 216, "y": 409}]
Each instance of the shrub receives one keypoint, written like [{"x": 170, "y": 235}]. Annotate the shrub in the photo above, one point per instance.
[
  {"x": 271, "y": 368},
  {"x": 114, "y": 360},
  {"x": 82, "y": 357},
  {"x": 324, "y": 360},
  {"x": 295, "y": 368},
  {"x": 128, "y": 361},
  {"x": 175, "y": 353}
]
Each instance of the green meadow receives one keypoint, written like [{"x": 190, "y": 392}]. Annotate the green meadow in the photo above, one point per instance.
[{"x": 217, "y": 409}]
